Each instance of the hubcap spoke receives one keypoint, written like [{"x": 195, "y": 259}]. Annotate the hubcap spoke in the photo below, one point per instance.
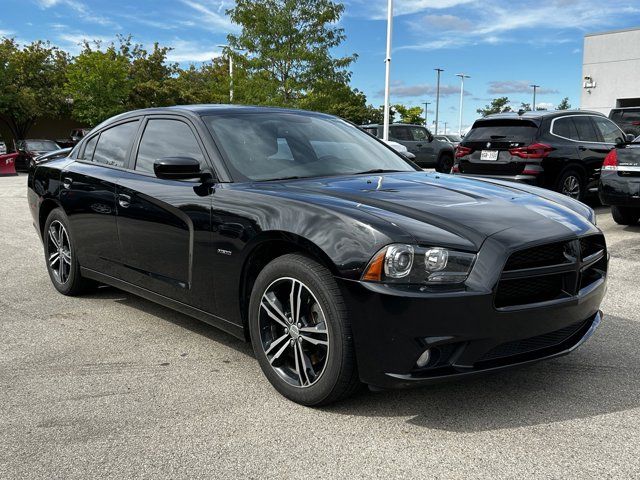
[
  {"x": 53, "y": 236},
  {"x": 53, "y": 258},
  {"x": 298, "y": 354},
  {"x": 59, "y": 251}
]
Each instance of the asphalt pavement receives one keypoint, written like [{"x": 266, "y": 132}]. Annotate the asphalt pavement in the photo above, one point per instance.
[{"x": 113, "y": 386}]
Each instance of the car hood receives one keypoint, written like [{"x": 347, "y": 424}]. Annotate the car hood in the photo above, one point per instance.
[{"x": 468, "y": 208}]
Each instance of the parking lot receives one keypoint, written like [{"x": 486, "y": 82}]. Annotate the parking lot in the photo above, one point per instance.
[{"x": 110, "y": 385}]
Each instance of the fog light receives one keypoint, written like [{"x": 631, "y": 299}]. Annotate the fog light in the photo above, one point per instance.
[{"x": 424, "y": 358}]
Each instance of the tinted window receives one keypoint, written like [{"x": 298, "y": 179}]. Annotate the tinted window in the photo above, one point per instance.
[
  {"x": 586, "y": 129},
  {"x": 372, "y": 131},
  {"x": 564, "y": 127},
  {"x": 400, "y": 133},
  {"x": 513, "y": 131},
  {"x": 166, "y": 138},
  {"x": 89, "y": 148},
  {"x": 418, "y": 134},
  {"x": 610, "y": 132},
  {"x": 271, "y": 145},
  {"x": 616, "y": 115},
  {"x": 114, "y": 144}
]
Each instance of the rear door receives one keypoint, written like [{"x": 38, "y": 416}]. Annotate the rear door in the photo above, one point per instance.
[
  {"x": 88, "y": 196},
  {"x": 490, "y": 141},
  {"x": 164, "y": 226}
]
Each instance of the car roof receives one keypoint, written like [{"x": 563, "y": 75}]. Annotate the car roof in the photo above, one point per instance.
[
  {"x": 198, "y": 110},
  {"x": 540, "y": 114}
]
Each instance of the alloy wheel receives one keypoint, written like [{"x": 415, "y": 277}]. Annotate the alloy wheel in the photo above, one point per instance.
[
  {"x": 59, "y": 251},
  {"x": 294, "y": 332},
  {"x": 571, "y": 186}
]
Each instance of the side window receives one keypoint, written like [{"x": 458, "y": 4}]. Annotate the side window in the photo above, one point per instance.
[
  {"x": 418, "y": 134},
  {"x": 610, "y": 132},
  {"x": 89, "y": 148},
  {"x": 167, "y": 138},
  {"x": 586, "y": 129},
  {"x": 564, "y": 127},
  {"x": 400, "y": 133},
  {"x": 631, "y": 116},
  {"x": 114, "y": 144}
]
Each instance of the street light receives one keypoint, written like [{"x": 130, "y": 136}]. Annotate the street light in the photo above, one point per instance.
[
  {"x": 535, "y": 87},
  {"x": 462, "y": 77},
  {"x": 426, "y": 107},
  {"x": 387, "y": 74},
  {"x": 228, "y": 48},
  {"x": 445, "y": 128},
  {"x": 439, "y": 70}
]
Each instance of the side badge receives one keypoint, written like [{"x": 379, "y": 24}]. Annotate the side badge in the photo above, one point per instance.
[{"x": 224, "y": 252}]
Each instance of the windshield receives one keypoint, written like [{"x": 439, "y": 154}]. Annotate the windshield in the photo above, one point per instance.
[
  {"x": 41, "y": 145},
  {"x": 271, "y": 146}
]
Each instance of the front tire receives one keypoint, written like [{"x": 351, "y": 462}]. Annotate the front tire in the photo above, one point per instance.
[
  {"x": 625, "y": 215},
  {"x": 301, "y": 333},
  {"x": 445, "y": 163},
  {"x": 60, "y": 255}
]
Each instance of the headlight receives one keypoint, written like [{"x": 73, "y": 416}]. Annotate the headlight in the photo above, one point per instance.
[{"x": 399, "y": 263}]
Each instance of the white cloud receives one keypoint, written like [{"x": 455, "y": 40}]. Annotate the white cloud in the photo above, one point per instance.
[
  {"x": 399, "y": 89},
  {"x": 545, "y": 106},
  {"x": 83, "y": 11},
  {"x": 216, "y": 19},
  {"x": 496, "y": 21},
  {"x": 187, "y": 52},
  {"x": 515, "y": 86},
  {"x": 377, "y": 9}
]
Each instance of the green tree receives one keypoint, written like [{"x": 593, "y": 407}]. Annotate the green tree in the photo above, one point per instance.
[
  {"x": 287, "y": 45},
  {"x": 525, "y": 107},
  {"x": 564, "y": 104},
  {"x": 99, "y": 83},
  {"x": 412, "y": 115},
  {"x": 497, "y": 105},
  {"x": 31, "y": 84}
]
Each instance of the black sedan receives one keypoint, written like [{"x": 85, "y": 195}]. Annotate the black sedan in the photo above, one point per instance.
[
  {"x": 340, "y": 260},
  {"x": 620, "y": 183}
]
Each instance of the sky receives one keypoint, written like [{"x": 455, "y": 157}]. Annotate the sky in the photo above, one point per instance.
[{"x": 504, "y": 45}]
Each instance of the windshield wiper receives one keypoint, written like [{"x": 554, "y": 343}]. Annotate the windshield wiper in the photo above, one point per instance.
[
  {"x": 293, "y": 177},
  {"x": 375, "y": 170}
]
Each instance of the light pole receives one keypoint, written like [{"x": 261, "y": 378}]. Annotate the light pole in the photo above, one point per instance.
[
  {"x": 535, "y": 87},
  {"x": 387, "y": 74},
  {"x": 439, "y": 70},
  {"x": 445, "y": 128},
  {"x": 228, "y": 48},
  {"x": 426, "y": 107},
  {"x": 462, "y": 77}
]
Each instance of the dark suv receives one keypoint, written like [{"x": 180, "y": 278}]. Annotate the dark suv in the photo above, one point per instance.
[
  {"x": 429, "y": 151},
  {"x": 560, "y": 150},
  {"x": 628, "y": 119}
]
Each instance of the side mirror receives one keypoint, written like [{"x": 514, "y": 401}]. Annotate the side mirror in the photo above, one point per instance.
[
  {"x": 177, "y": 168},
  {"x": 429, "y": 136},
  {"x": 630, "y": 137}
]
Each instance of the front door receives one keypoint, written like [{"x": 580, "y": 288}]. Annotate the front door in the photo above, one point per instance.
[
  {"x": 164, "y": 226},
  {"x": 425, "y": 147}
]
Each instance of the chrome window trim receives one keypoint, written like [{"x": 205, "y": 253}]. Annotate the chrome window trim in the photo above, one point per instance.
[{"x": 595, "y": 126}]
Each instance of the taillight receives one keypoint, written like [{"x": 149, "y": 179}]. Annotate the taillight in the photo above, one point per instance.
[
  {"x": 536, "y": 150},
  {"x": 455, "y": 168},
  {"x": 611, "y": 161},
  {"x": 635, "y": 123},
  {"x": 462, "y": 151}
]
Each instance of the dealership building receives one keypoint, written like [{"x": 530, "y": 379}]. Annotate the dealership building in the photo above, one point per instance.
[{"x": 611, "y": 70}]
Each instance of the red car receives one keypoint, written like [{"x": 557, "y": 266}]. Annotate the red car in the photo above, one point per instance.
[{"x": 29, "y": 149}]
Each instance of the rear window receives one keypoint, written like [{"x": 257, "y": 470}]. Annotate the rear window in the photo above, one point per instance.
[
  {"x": 513, "y": 131},
  {"x": 631, "y": 116}
]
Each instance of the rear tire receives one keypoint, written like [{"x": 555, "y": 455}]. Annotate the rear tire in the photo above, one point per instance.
[
  {"x": 625, "y": 215},
  {"x": 571, "y": 183},
  {"x": 60, "y": 256},
  {"x": 445, "y": 163},
  {"x": 301, "y": 332}
]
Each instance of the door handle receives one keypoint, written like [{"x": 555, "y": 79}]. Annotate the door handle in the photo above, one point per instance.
[
  {"x": 419, "y": 145},
  {"x": 582, "y": 149},
  {"x": 66, "y": 182},
  {"x": 124, "y": 200}
]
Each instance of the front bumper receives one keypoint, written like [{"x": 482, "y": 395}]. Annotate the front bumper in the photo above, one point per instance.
[{"x": 465, "y": 331}]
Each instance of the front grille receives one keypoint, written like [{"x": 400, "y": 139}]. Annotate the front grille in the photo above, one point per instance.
[
  {"x": 528, "y": 345},
  {"x": 551, "y": 271}
]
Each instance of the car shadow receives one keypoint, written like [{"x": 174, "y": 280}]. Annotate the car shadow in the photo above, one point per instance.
[
  {"x": 601, "y": 377},
  {"x": 169, "y": 315}
]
